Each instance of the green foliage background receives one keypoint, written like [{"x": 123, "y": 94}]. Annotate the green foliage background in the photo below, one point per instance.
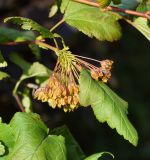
[{"x": 130, "y": 80}]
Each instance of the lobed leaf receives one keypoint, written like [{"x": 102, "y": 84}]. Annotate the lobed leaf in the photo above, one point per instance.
[
  {"x": 107, "y": 106},
  {"x": 31, "y": 140},
  {"x": 6, "y": 138},
  {"x": 29, "y": 24},
  {"x": 92, "y": 21}
]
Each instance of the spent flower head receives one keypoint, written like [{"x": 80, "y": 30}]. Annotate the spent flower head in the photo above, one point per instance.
[{"x": 62, "y": 89}]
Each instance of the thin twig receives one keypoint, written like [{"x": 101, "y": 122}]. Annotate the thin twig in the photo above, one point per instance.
[
  {"x": 56, "y": 25},
  {"x": 111, "y": 8},
  {"x": 19, "y": 102},
  {"x": 46, "y": 45},
  {"x": 32, "y": 42}
]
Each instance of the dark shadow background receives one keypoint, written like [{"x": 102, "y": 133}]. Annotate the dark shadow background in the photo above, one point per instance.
[{"x": 131, "y": 80}]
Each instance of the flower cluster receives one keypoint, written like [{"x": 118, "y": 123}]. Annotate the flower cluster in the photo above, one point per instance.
[
  {"x": 58, "y": 94},
  {"x": 62, "y": 90},
  {"x": 103, "y": 72}
]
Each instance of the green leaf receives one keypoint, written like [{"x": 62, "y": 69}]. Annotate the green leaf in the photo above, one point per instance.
[
  {"x": 116, "y": 1},
  {"x": 103, "y": 3},
  {"x": 27, "y": 103},
  {"x": 2, "y": 149},
  {"x": 35, "y": 50},
  {"x": 64, "y": 5},
  {"x": 74, "y": 152},
  {"x": 35, "y": 70},
  {"x": 141, "y": 24},
  {"x": 26, "y": 100},
  {"x": 3, "y": 63},
  {"x": 92, "y": 21},
  {"x": 3, "y": 75},
  {"x": 107, "y": 106},
  {"x": 29, "y": 24},
  {"x": 31, "y": 140},
  {"x": 19, "y": 61},
  {"x": 6, "y": 138},
  {"x": 8, "y": 34},
  {"x": 53, "y": 10},
  {"x": 96, "y": 156},
  {"x": 12, "y": 35},
  {"x": 128, "y": 4},
  {"x": 143, "y": 6}
]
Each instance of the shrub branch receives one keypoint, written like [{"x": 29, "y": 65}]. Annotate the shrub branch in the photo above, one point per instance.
[{"x": 111, "y": 8}]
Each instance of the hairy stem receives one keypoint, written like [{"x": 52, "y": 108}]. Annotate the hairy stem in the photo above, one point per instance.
[{"x": 111, "y": 8}]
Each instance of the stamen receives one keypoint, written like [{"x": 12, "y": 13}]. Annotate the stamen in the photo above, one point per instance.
[{"x": 86, "y": 58}]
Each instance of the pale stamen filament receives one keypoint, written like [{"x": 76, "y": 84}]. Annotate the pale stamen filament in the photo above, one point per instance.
[{"x": 87, "y": 58}]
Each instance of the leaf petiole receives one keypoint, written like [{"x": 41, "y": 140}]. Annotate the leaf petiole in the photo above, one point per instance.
[{"x": 57, "y": 24}]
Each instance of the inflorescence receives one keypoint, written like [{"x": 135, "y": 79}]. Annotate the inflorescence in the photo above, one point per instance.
[{"x": 62, "y": 89}]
